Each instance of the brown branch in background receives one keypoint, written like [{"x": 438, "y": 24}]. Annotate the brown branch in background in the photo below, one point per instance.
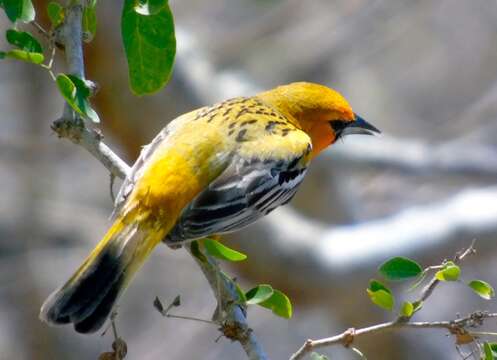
[
  {"x": 457, "y": 327},
  {"x": 232, "y": 320}
]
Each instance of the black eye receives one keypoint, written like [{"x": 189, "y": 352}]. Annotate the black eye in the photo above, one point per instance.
[{"x": 338, "y": 126}]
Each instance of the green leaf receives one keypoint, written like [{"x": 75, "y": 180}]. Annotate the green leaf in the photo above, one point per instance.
[
  {"x": 259, "y": 294},
  {"x": 66, "y": 87},
  {"x": 380, "y": 294},
  {"x": 316, "y": 356},
  {"x": 487, "y": 352},
  {"x": 482, "y": 288},
  {"x": 195, "y": 249},
  {"x": 279, "y": 304},
  {"x": 22, "y": 10},
  {"x": 400, "y": 268},
  {"x": 89, "y": 22},
  {"x": 407, "y": 309},
  {"x": 23, "y": 40},
  {"x": 55, "y": 13},
  {"x": 417, "y": 305},
  {"x": 493, "y": 347},
  {"x": 240, "y": 293},
  {"x": 375, "y": 285},
  {"x": 3, "y": 54},
  {"x": 150, "y": 46},
  {"x": 29, "y": 49},
  {"x": 149, "y": 7},
  {"x": 450, "y": 272},
  {"x": 76, "y": 92},
  {"x": 31, "y": 57},
  {"x": 381, "y": 298},
  {"x": 220, "y": 251}
]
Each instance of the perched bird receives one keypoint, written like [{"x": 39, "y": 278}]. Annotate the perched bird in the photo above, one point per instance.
[{"x": 211, "y": 171}]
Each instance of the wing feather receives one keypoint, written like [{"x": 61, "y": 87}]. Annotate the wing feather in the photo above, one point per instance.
[{"x": 240, "y": 196}]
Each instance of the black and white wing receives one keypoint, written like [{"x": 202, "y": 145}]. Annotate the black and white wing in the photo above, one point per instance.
[{"x": 244, "y": 192}]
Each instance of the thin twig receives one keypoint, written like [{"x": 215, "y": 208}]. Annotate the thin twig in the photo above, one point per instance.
[
  {"x": 111, "y": 187},
  {"x": 455, "y": 327},
  {"x": 183, "y": 317},
  {"x": 41, "y": 29},
  {"x": 165, "y": 312},
  {"x": 428, "y": 289},
  {"x": 113, "y": 316}
]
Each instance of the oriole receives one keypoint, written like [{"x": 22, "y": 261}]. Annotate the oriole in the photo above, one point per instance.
[{"x": 211, "y": 171}]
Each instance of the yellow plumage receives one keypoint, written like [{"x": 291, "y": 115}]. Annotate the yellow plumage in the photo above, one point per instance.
[{"x": 213, "y": 170}]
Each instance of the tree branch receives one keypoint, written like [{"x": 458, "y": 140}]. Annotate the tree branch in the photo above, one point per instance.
[
  {"x": 458, "y": 328},
  {"x": 71, "y": 126},
  {"x": 229, "y": 314},
  {"x": 74, "y": 129},
  {"x": 233, "y": 318}
]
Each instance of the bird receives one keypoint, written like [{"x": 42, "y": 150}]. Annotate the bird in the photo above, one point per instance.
[{"x": 210, "y": 171}]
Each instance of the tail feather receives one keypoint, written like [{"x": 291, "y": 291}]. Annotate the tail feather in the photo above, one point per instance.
[
  {"x": 88, "y": 297},
  {"x": 101, "y": 311}
]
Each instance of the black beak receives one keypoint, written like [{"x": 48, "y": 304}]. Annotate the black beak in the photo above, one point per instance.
[{"x": 359, "y": 126}]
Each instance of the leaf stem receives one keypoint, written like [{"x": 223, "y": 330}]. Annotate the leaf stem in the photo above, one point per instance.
[{"x": 40, "y": 29}]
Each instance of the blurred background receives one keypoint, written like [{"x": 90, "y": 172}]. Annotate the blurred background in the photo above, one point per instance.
[{"x": 424, "y": 72}]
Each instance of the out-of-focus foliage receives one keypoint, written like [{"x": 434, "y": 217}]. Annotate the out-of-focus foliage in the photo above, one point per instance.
[
  {"x": 90, "y": 20},
  {"x": 21, "y": 10},
  {"x": 55, "y": 13},
  {"x": 28, "y": 48}
]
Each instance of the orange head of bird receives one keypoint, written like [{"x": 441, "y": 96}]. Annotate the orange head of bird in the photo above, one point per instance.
[{"x": 321, "y": 112}]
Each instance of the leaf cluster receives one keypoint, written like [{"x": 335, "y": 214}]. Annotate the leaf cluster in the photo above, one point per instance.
[
  {"x": 398, "y": 269},
  {"x": 148, "y": 37}
]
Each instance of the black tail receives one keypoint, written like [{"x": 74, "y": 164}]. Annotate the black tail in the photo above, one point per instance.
[{"x": 87, "y": 299}]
